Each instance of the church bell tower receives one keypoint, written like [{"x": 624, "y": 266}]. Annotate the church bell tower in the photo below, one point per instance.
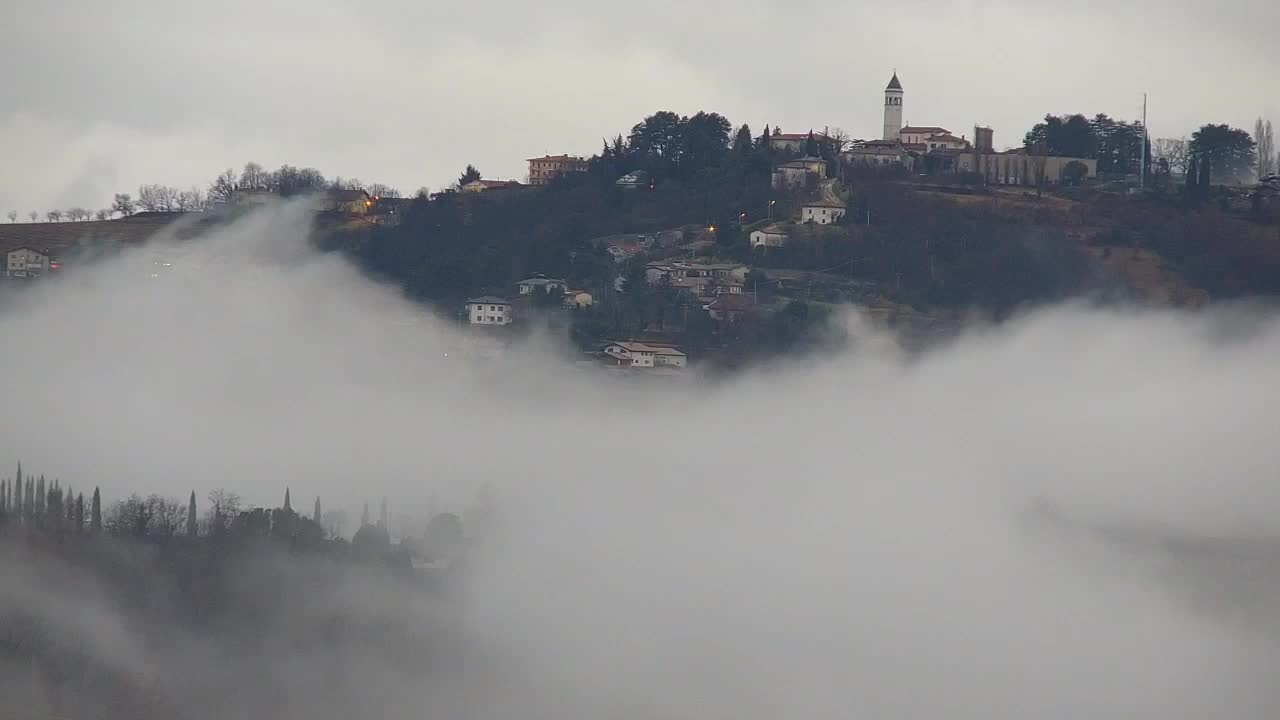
[{"x": 893, "y": 108}]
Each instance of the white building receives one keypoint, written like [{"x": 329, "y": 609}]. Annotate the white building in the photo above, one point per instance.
[
  {"x": 893, "y": 97},
  {"x": 771, "y": 236},
  {"x": 27, "y": 262},
  {"x": 641, "y": 355},
  {"x": 822, "y": 212},
  {"x": 489, "y": 310},
  {"x": 546, "y": 285}
]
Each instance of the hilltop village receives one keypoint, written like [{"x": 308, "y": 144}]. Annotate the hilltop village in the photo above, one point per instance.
[{"x": 686, "y": 243}]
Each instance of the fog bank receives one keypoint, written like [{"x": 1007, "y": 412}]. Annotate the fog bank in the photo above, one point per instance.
[{"x": 1070, "y": 514}]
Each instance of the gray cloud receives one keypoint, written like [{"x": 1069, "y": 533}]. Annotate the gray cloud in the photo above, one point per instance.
[
  {"x": 408, "y": 93},
  {"x": 1073, "y": 512}
]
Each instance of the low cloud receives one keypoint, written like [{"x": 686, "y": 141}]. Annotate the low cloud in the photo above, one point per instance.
[{"x": 1071, "y": 513}]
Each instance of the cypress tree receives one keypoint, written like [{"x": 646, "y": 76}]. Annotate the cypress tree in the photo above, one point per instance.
[
  {"x": 69, "y": 502},
  {"x": 79, "y": 526},
  {"x": 191, "y": 515},
  {"x": 382, "y": 515},
  {"x": 95, "y": 513},
  {"x": 29, "y": 501},
  {"x": 287, "y": 506},
  {"x": 16, "y": 494},
  {"x": 364, "y": 516},
  {"x": 4, "y": 496},
  {"x": 40, "y": 499},
  {"x": 315, "y": 514}
]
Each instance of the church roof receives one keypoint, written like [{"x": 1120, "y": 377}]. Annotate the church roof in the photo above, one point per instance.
[{"x": 894, "y": 84}]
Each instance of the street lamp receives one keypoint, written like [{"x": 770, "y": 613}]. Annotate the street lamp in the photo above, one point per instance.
[{"x": 771, "y": 202}]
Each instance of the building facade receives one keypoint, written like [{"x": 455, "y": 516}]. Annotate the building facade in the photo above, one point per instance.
[
  {"x": 772, "y": 236},
  {"x": 821, "y": 213},
  {"x": 795, "y": 174},
  {"x": 641, "y": 355},
  {"x": 27, "y": 262},
  {"x": 489, "y": 310},
  {"x": 549, "y": 167}
]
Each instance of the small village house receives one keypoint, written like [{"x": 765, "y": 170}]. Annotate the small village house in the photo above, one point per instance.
[
  {"x": 489, "y": 310},
  {"x": 821, "y": 212},
  {"x": 771, "y": 236},
  {"x": 541, "y": 284},
  {"x": 729, "y": 308},
  {"x": 28, "y": 262},
  {"x": 643, "y": 355},
  {"x": 482, "y": 185},
  {"x": 547, "y": 168},
  {"x": 578, "y": 299},
  {"x": 347, "y": 202},
  {"x": 796, "y": 173}
]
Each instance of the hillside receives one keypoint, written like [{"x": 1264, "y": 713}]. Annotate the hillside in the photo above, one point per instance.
[{"x": 59, "y": 238}]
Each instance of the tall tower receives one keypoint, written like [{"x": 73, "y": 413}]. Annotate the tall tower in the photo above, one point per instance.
[{"x": 893, "y": 108}]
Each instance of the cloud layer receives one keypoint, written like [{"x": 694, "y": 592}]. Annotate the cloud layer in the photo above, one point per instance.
[{"x": 1072, "y": 513}]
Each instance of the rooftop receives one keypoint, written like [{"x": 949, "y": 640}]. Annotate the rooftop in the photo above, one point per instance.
[
  {"x": 630, "y": 346},
  {"x": 894, "y": 84},
  {"x": 488, "y": 300},
  {"x": 925, "y": 130}
]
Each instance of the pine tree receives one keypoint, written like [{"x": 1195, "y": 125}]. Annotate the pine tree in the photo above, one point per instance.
[
  {"x": 364, "y": 516},
  {"x": 39, "y": 500},
  {"x": 4, "y": 497},
  {"x": 79, "y": 525},
  {"x": 382, "y": 515},
  {"x": 191, "y": 515},
  {"x": 287, "y": 506},
  {"x": 29, "y": 501},
  {"x": 16, "y": 493},
  {"x": 95, "y": 513},
  {"x": 69, "y": 506},
  {"x": 315, "y": 514}
]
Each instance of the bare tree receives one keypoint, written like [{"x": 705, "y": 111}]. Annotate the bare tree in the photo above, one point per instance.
[
  {"x": 158, "y": 198},
  {"x": 166, "y": 516},
  {"x": 13, "y": 216},
  {"x": 33, "y": 215},
  {"x": 123, "y": 204},
  {"x": 129, "y": 517},
  {"x": 386, "y": 191},
  {"x": 191, "y": 200},
  {"x": 102, "y": 214},
  {"x": 53, "y": 216},
  {"x": 1173, "y": 151},
  {"x": 223, "y": 187},
  {"x": 224, "y": 506},
  {"x": 254, "y": 177}
]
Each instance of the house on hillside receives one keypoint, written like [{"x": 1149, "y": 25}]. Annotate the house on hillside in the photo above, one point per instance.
[
  {"x": 796, "y": 173},
  {"x": 577, "y": 299},
  {"x": 643, "y": 355},
  {"x": 877, "y": 152},
  {"x": 729, "y": 308},
  {"x": 489, "y": 310},
  {"x": 822, "y": 212},
  {"x": 635, "y": 180},
  {"x": 28, "y": 262},
  {"x": 347, "y": 202},
  {"x": 1018, "y": 167},
  {"x": 795, "y": 142},
  {"x": 545, "y": 169},
  {"x": 389, "y": 211},
  {"x": 771, "y": 236},
  {"x": 659, "y": 270},
  {"x": 541, "y": 284},
  {"x": 482, "y": 185}
]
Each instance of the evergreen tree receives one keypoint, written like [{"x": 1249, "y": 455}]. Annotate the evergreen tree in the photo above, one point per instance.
[
  {"x": 471, "y": 174},
  {"x": 811, "y": 146},
  {"x": 4, "y": 497},
  {"x": 382, "y": 515},
  {"x": 742, "y": 142},
  {"x": 95, "y": 513},
  {"x": 364, "y": 516},
  {"x": 69, "y": 507},
  {"x": 287, "y": 506},
  {"x": 29, "y": 501},
  {"x": 79, "y": 523},
  {"x": 1205, "y": 181},
  {"x": 315, "y": 514},
  {"x": 16, "y": 494},
  {"x": 40, "y": 499},
  {"x": 191, "y": 515},
  {"x": 763, "y": 142}
]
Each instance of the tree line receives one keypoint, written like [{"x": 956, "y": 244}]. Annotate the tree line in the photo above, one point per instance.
[{"x": 286, "y": 181}]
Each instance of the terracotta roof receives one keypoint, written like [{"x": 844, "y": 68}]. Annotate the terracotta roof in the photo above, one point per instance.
[
  {"x": 488, "y": 300},
  {"x": 923, "y": 130},
  {"x": 947, "y": 137},
  {"x": 824, "y": 204},
  {"x": 772, "y": 230}
]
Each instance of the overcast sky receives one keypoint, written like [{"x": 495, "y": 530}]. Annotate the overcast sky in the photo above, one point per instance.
[{"x": 101, "y": 97}]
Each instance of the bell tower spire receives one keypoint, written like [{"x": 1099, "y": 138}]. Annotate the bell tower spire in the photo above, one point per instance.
[{"x": 893, "y": 95}]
